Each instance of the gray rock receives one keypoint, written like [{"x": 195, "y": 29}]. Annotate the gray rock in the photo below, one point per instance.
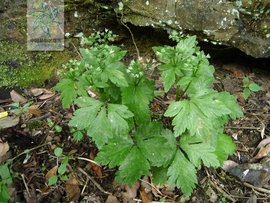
[{"x": 242, "y": 24}]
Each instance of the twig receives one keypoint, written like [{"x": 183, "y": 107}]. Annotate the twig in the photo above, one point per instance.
[
  {"x": 257, "y": 188},
  {"x": 242, "y": 127},
  {"x": 46, "y": 115},
  {"x": 224, "y": 193},
  {"x": 89, "y": 160},
  {"x": 25, "y": 185},
  {"x": 84, "y": 187},
  {"x": 93, "y": 181},
  {"x": 76, "y": 50},
  {"x": 131, "y": 34},
  {"x": 221, "y": 191},
  {"x": 29, "y": 150},
  {"x": 151, "y": 186}
]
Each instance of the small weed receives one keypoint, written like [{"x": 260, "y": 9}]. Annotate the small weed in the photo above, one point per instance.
[
  {"x": 62, "y": 169},
  {"x": 249, "y": 87}
]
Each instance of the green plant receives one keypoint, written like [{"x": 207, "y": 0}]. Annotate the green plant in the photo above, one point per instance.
[
  {"x": 6, "y": 180},
  {"x": 62, "y": 169},
  {"x": 249, "y": 87},
  {"x": 113, "y": 109},
  {"x": 57, "y": 128},
  {"x": 98, "y": 38},
  {"x": 18, "y": 109}
]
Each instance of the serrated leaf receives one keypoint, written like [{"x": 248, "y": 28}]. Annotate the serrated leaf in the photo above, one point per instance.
[
  {"x": 117, "y": 77},
  {"x": 84, "y": 116},
  {"x": 200, "y": 115},
  {"x": 133, "y": 167},
  {"x": 117, "y": 115},
  {"x": 100, "y": 129},
  {"x": 159, "y": 175},
  {"x": 182, "y": 173},
  {"x": 137, "y": 97},
  {"x": 198, "y": 152},
  {"x": 168, "y": 78},
  {"x": 100, "y": 121},
  {"x": 224, "y": 147},
  {"x": 155, "y": 145},
  {"x": 77, "y": 136},
  {"x": 254, "y": 87},
  {"x": 115, "y": 152},
  {"x": 67, "y": 87},
  {"x": 196, "y": 86},
  {"x": 231, "y": 103}
]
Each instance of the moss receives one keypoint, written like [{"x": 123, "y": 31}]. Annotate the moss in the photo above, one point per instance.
[{"x": 21, "y": 68}]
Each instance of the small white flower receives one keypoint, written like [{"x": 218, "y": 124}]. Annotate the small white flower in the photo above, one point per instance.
[{"x": 76, "y": 14}]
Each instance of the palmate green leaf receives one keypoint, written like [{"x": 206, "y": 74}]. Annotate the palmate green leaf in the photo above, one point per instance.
[
  {"x": 115, "y": 152},
  {"x": 117, "y": 115},
  {"x": 100, "y": 121},
  {"x": 196, "y": 86},
  {"x": 165, "y": 53},
  {"x": 182, "y": 173},
  {"x": 198, "y": 151},
  {"x": 156, "y": 144},
  {"x": 67, "y": 88},
  {"x": 133, "y": 167},
  {"x": 231, "y": 103},
  {"x": 224, "y": 147},
  {"x": 137, "y": 97},
  {"x": 116, "y": 76},
  {"x": 85, "y": 115},
  {"x": 200, "y": 115},
  {"x": 168, "y": 78}
]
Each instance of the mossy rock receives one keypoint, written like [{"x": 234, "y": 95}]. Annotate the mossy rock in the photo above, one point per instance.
[{"x": 22, "y": 68}]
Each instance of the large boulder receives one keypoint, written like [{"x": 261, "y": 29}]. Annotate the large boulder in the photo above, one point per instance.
[{"x": 243, "y": 24}]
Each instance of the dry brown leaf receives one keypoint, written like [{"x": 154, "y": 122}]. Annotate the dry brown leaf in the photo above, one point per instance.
[
  {"x": 263, "y": 152},
  {"x": 9, "y": 122},
  {"x": 72, "y": 188},
  {"x": 37, "y": 91},
  {"x": 4, "y": 147},
  {"x": 131, "y": 192},
  {"x": 97, "y": 169},
  {"x": 46, "y": 96},
  {"x": 112, "y": 199},
  {"x": 34, "y": 110},
  {"x": 16, "y": 97},
  {"x": 145, "y": 198},
  {"x": 51, "y": 172},
  {"x": 263, "y": 143}
]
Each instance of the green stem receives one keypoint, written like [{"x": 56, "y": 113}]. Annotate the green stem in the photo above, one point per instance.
[{"x": 178, "y": 93}]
